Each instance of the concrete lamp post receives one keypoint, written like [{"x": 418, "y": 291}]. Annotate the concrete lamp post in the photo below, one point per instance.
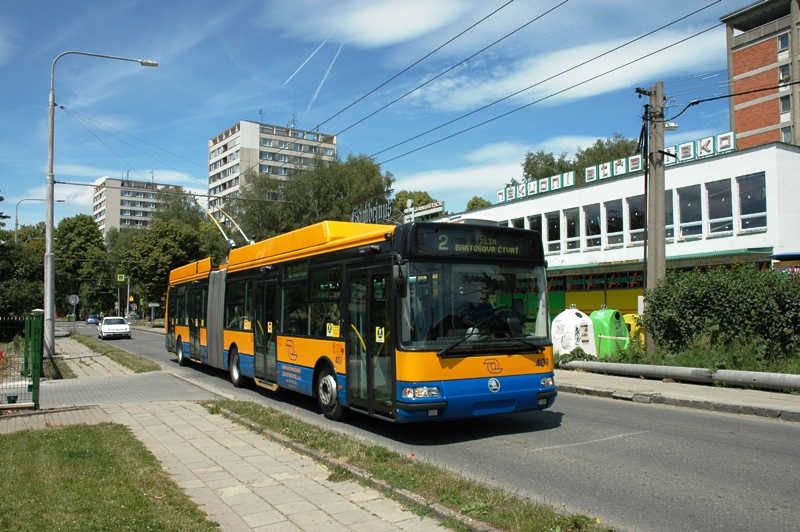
[{"x": 49, "y": 258}]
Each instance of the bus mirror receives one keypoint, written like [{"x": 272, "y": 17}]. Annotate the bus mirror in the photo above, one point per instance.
[{"x": 399, "y": 280}]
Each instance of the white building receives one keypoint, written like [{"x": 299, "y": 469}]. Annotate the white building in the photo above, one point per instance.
[
  {"x": 251, "y": 146},
  {"x": 730, "y": 206},
  {"x": 124, "y": 203}
]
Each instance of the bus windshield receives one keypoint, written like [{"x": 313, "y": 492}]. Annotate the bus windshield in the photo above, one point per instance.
[{"x": 475, "y": 305}]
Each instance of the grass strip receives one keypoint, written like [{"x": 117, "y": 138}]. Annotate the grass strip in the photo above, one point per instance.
[
  {"x": 133, "y": 362},
  {"x": 469, "y": 503},
  {"x": 89, "y": 477}
]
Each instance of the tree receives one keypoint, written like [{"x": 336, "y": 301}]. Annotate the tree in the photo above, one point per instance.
[
  {"x": 78, "y": 242},
  {"x": 269, "y": 206},
  {"x": 542, "y": 164},
  {"x": 157, "y": 251},
  {"x": 21, "y": 273},
  {"x": 3, "y": 215},
  {"x": 400, "y": 202},
  {"x": 478, "y": 203}
]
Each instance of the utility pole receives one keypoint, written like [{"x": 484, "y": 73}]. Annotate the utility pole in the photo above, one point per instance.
[{"x": 656, "y": 216}]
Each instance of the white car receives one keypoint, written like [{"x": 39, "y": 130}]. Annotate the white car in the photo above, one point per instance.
[{"x": 113, "y": 327}]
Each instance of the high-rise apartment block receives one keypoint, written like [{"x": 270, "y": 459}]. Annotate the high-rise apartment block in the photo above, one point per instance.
[
  {"x": 124, "y": 203},
  {"x": 763, "y": 51},
  {"x": 260, "y": 148}
]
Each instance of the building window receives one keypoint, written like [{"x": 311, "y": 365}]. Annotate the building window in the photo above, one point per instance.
[
  {"x": 573, "y": 223},
  {"x": 669, "y": 219},
  {"x": 784, "y": 75},
  {"x": 518, "y": 222},
  {"x": 636, "y": 218},
  {"x": 591, "y": 217},
  {"x": 785, "y": 104},
  {"x": 266, "y": 156},
  {"x": 126, "y": 192},
  {"x": 266, "y": 142},
  {"x": 282, "y": 144},
  {"x": 614, "y": 232},
  {"x": 720, "y": 212},
  {"x": 786, "y": 134},
  {"x": 689, "y": 212},
  {"x": 783, "y": 42},
  {"x": 553, "y": 231},
  {"x": 535, "y": 223},
  {"x": 752, "y": 201}
]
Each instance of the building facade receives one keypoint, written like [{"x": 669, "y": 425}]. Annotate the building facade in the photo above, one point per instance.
[
  {"x": 763, "y": 53},
  {"x": 124, "y": 203},
  {"x": 730, "y": 206},
  {"x": 254, "y": 147}
]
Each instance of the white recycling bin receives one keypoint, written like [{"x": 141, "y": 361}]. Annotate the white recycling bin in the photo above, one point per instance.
[{"x": 571, "y": 329}]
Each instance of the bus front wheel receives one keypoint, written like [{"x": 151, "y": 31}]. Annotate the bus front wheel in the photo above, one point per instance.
[
  {"x": 233, "y": 367},
  {"x": 328, "y": 396},
  {"x": 179, "y": 353}
]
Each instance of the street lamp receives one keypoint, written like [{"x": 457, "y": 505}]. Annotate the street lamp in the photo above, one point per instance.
[
  {"x": 16, "y": 213},
  {"x": 49, "y": 258}
]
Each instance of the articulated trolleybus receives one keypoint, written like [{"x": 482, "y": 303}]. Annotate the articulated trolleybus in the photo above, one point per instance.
[{"x": 416, "y": 322}]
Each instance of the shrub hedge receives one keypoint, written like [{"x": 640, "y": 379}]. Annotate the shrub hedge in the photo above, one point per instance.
[{"x": 726, "y": 305}]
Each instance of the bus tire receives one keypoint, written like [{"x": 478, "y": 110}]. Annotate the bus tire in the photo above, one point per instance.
[
  {"x": 233, "y": 367},
  {"x": 182, "y": 361},
  {"x": 328, "y": 395}
]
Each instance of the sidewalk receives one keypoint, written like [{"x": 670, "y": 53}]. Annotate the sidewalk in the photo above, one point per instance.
[{"x": 240, "y": 479}]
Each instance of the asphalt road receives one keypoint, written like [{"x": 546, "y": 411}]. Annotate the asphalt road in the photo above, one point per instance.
[{"x": 635, "y": 466}]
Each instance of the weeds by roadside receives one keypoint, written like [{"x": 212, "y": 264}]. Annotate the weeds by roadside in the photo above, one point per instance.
[
  {"x": 496, "y": 507},
  {"x": 133, "y": 362}
]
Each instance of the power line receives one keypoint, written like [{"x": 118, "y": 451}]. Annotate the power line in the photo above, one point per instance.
[
  {"x": 503, "y": 115},
  {"x": 542, "y": 81},
  {"x": 415, "y": 63}
]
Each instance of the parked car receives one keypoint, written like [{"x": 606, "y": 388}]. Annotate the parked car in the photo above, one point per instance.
[
  {"x": 113, "y": 327},
  {"x": 92, "y": 319}
]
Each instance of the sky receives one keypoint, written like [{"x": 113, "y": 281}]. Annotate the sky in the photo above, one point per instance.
[{"x": 447, "y": 95}]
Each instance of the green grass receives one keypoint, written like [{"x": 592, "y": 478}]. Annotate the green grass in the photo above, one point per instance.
[
  {"x": 496, "y": 507},
  {"x": 133, "y": 362},
  {"x": 89, "y": 477}
]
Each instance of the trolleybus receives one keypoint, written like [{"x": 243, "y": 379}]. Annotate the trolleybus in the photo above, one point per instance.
[{"x": 417, "y": 322}]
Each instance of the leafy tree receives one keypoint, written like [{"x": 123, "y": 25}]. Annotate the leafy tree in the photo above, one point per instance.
[
  {"x": 543, "y": 164},
  {"x": 400, "y": 202},
  {"x": 154, "y": 253},
  {"x": 3, "y": 215},
  {"x": 478, "y": 203},
  {"x": 268, "y": 206},
  {"x": 21, "y": 270},
  {"x": 78, "y": 242}
]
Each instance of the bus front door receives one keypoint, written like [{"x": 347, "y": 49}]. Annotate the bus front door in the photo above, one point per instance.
[
  {"x": 265, "y": 331},
  {"x": 197, "y": 319},
  {"x": 370, "y": 375}
]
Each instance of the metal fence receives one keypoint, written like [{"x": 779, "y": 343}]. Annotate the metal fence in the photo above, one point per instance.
[{"x": 21, "y": 350}]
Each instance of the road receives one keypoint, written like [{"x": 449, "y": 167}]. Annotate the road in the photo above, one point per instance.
[{"x": 635, "y": 466}]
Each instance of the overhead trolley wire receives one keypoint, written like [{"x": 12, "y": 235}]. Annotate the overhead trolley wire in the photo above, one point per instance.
[
  {"x": 544, "y": 81},
  {"x": 503, "y": 115}
]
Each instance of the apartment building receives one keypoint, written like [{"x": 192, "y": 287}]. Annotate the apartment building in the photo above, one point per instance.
[
  {"x": 763, "y": 52},
  {"x": 124, "y": 203},
  {"x": 262, "y": 148}
]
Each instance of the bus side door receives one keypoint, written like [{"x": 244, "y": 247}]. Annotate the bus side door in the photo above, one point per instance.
[
  {"x": 265, "y": 329},
  {"x": 369, "y": 355}
]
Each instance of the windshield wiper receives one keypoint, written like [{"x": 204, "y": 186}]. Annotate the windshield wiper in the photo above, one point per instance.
[{"x": 475, "y": 327}]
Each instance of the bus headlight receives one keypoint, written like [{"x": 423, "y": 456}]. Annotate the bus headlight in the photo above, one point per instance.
[
  {"x": 547, "y": 382},
  {"x": 421, "y": 391}
]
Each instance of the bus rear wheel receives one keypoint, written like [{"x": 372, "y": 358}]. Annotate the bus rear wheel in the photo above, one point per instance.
[
  {"x": 233, "y": 366},
  {"x": 182, "y": 361},
  {"x": 328, "y": 396}
]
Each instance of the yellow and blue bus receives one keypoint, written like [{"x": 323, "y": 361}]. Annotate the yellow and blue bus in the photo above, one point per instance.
[{"x": 416, "y": 322}]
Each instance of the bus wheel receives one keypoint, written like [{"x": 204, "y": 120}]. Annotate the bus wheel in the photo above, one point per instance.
[
  {"x": 328, "y": 396},
  {"x": 179, "y": 353},
  {"x": 233, "y": 367}
]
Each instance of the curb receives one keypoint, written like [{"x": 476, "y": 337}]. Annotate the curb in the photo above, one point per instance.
[
  {"x": 437, "y": 510},
  {"x": 657, "y": 398}
]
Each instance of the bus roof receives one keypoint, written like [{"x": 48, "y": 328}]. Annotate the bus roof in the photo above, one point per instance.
[
  {"x": 324, "y": 236},
  {"x": 191, "y": 271}
]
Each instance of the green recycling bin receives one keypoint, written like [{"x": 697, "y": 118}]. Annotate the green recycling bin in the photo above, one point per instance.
[{"x": 610, "y": 331}]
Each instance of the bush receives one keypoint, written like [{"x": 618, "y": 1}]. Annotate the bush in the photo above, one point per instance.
[{"x": 726, "y": 306}]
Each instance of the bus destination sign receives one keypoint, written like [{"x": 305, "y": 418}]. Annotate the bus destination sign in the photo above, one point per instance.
[{"x": 476, "y": 241}]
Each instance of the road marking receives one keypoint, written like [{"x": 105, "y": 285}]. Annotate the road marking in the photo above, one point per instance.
[{"x": 590, "y": 442}]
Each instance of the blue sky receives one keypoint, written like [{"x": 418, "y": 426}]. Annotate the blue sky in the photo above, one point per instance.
[{"x": 224, "y": 62}]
